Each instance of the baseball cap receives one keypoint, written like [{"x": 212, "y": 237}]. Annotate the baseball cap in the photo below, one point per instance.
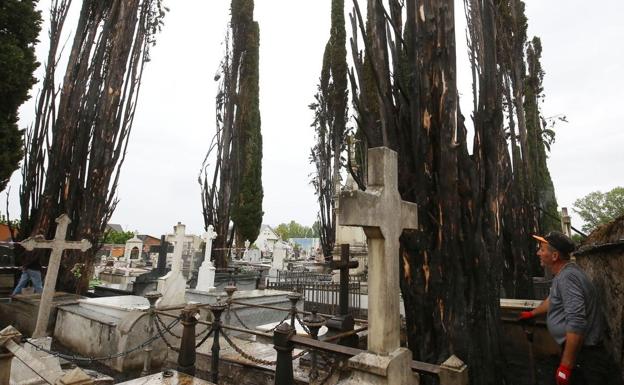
[{"x": 557, "y": 240}]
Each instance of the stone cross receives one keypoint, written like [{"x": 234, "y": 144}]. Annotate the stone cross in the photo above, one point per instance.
[
  {"x": 208, "y": 237},
  {"x": 57, "y": 245},
  {"x": 206, "y": 274},
  {"x": 178, "y": 248},
  {"x": 344, "y": 265},
  {"x": 384, "y": 216}
]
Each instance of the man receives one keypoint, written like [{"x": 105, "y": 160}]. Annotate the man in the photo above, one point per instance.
[
  {"x": 573, "y": 317},
  {"x": 31, "y": 270}
]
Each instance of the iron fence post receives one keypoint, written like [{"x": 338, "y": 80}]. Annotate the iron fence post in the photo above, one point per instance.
[
  {"x": 294, "y": 297},
  {"x": 186, "y": 356},
  {"x": 216, "y": 309},
  {"x": 284, "y": 348},
  {"x": 152, "y": 297},
  {"x": 314, "y": 322}
]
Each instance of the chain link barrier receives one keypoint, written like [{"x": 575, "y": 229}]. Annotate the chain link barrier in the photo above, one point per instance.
[
  {"x": 205, "y": 338},
  {"x": 304, "y": 326},
  {"x": 171, "y": 333},
  {"x": 245, "y": 354},
  {"x": 89, "y": 360},
  {"x": 162, "y": 336},
  {"x": 240, "y": 320}
]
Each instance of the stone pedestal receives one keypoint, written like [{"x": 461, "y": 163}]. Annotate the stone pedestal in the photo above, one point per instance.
[
  {"x": 206, "y": 277},
  {"x": 393, "y": 369}
]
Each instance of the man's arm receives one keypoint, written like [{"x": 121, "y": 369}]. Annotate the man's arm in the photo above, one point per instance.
[
  {"x": 573, "y": 344},
  {"x": 542, "y": 308}
]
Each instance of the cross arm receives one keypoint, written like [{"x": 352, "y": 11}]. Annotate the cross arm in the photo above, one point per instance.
[{"x": 359, "y": 208}]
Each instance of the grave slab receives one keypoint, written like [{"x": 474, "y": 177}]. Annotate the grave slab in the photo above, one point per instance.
[{"x": 167, "y": 377}]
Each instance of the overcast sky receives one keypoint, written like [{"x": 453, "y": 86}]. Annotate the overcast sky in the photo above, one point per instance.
[{"x": 175, "y": 117}]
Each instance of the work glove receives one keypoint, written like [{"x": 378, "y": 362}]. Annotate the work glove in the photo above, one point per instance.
[
  {"x": 525, "y": 316},
  {"x": 563, "y": 375}
]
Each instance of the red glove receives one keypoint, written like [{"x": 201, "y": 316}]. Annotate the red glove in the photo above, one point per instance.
[
  {"x": 525, "y": 315},
  {"x": 563, "y": 375}
]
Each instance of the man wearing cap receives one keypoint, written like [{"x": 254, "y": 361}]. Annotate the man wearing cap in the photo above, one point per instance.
[{"x": 573, "y": 317}]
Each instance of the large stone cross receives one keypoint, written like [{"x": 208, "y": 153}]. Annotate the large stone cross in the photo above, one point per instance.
[
  {"x": 178, "y": 247},
  {"x": 383, "y": 216},
  {"x": 57, "y": 245}
]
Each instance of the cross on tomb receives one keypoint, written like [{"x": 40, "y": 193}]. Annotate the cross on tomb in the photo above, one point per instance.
[
  {"x": 162, "y": 250},
  {"x": 383, "y": 216},
  {"x": 57, "y": 245},
  {"x": 344, "y": 265}
]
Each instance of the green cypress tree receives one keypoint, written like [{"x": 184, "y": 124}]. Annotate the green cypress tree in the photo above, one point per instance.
[
  {"x": 20, "y": 24},
  {"x": 247, "y": 209},
  {"x": 539, "y": 140}
]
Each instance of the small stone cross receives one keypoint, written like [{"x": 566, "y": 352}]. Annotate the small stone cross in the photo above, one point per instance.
[
  {"x": 383, "y": 216},
  {"x": 58, "y": 245},
  {"x": 344, "y": 265}
]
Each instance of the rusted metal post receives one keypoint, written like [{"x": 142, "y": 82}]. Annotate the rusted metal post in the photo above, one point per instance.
[
  {"x": 294, "y": 297},
  {"x": 152, "y": 297},
  {"x": 284, "y": 347},
  {"x": 216, "y": 309},
  {"x": 229, "y": 290},
  {"x": 186, "y": 357},
  {"x": 314, "y": 322}
]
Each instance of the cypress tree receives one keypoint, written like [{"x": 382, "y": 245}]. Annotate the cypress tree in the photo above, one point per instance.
[
  {"x": 539, "y": 139},
  {"x": 330, "y": 110},
  {"x": 20, "y": 24},
  {"x": 247, "y": 206}
]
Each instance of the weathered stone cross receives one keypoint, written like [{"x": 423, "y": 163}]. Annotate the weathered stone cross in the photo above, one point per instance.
[
  {"x": 58, "y": 245},
  {"x": 344, "y": 265},
  {"x": 383, "y": 216}
]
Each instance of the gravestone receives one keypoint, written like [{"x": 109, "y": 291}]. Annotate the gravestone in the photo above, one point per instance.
[
  {"x": 173, "y": 284},
  {"x": 383, "y": 215},
  {"x": 206, "y": 275},
  {"x": 58, "y": 245}
]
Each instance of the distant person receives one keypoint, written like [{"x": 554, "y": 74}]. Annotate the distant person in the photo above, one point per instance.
[
  {"x": 573, "y": 317},
  {"x": 31, "y": 271}
]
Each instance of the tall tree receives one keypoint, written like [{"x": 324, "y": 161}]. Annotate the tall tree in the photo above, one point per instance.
[
  {"x": 233, "y": 191},
  {"x": 247, "y": 212},
  {"x": 20, "y": 23},
  {"x": 330, "y": 117},
  {"x": 452, "y": 266},
  {"x": 539, "y": 138},
  {"x": 77, "y": 144}
]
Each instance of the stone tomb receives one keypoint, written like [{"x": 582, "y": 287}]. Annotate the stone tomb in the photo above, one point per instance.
[{"x": 99, "y": 327}]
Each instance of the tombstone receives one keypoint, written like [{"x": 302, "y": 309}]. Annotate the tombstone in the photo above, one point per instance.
[
  {"x": 133, "y": 250},
  {"x": 252, "y": 255},
  {"x": 173, "y": 284},
  {"x": 384, "y": 216},
  {"x": 206, "y": 275},
  {"x": 58, "y": 245}
]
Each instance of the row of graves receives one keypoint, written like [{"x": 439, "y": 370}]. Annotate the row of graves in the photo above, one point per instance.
[
  {"x": 231, "y": 334},
  {"x": 296, "y": 327}
]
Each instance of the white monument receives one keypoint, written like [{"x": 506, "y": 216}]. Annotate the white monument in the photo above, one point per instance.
[
  {"x": 206, "y": 275},
  {"x": 133, "y": 249},
  {"x": 383, "y": 215},
  {"x": 173, "y": 285}
]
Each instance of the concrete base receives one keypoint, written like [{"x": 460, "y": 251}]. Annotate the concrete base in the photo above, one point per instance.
[{"x": 393, "y": 369}]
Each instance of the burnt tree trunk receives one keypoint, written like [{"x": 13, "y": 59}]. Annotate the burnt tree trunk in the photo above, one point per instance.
[{"x": 89, "y": 126}]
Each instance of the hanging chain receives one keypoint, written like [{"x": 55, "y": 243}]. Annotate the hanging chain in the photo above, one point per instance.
[
  {"x": 205, "y": 338},
  {"x": 89, "y": 360},
  {"x": 162, "y": 336},
  {"x": 245, "y": 354}
]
